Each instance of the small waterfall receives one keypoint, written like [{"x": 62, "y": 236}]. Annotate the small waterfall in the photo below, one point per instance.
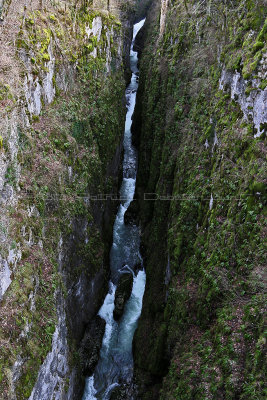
[{"x": 115, "y": 365}]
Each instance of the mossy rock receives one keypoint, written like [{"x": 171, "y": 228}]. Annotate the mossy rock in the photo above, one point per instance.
[{"x": 257, "y": 46}]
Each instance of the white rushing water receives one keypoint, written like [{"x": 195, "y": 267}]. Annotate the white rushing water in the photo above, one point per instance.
[{"x": 115, "y": 365}]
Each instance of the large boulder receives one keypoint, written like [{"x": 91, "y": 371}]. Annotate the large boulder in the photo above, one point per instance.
[
  {"x": 91, "y": 345},
  {"x": 123, "y": 293}
]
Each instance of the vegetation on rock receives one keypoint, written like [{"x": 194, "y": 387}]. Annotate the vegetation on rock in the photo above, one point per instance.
[
  {"x": 65, "y": 157},
  {"x": 203, "y": 314}
]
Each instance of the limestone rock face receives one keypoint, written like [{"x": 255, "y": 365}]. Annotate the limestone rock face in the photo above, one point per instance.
[
  {"x": 55, "y": 366},
  {"x": 253, "y": 105},
  {"x": 57, "y": 272},
  {"x": 123, "y": 293},
  {"x": 164, "y": 9},
  {"x": 199, "y": 128}
]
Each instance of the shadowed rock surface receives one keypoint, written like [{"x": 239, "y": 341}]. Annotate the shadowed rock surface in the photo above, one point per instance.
[
  {"x": 91, "y": 344},
  {"x": 131, "y": 215}
]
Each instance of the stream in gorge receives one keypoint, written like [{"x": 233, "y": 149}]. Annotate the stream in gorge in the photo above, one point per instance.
[{"x": 115, "y": 366}]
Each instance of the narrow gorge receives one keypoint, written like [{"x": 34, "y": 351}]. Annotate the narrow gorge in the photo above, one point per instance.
[
  {"x": 115, "y": 366},
  {"x": 133, "y": 199}
]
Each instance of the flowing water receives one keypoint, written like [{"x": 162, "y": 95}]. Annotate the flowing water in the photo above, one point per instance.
[{"x": 115, "y": 365}]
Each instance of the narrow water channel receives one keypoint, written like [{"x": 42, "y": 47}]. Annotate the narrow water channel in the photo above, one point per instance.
[{"x": 115, "y": 365}]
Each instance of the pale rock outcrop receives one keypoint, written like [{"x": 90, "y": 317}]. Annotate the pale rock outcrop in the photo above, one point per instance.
[
  {"x": 163, "y": 14},
  {"x": 50, "y": 383},
  {"x": 33, "y": 90},
  {"x": 9, "y": 254},
  {"x": 7, "y": 265},
  {"x": 253, "y": 104},
  {"x": 96, "y": 28}
]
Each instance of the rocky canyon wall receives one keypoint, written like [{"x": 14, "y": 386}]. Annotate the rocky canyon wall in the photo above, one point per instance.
[
  {"x": 62, "y": 111},
  {"x": 200, "y": 125}
]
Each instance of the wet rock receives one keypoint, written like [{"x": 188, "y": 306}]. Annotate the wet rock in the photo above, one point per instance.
[
  {"x": 131, "y": 216},
  {"x": 123, "y": 392},
  {"x": 123, "y": 293},
  {"x": 125, "y": 269},
  {"x": 139, "y": 41},
  {"x": 138, "y": 267},
  {"x": 91, "y": 345}
]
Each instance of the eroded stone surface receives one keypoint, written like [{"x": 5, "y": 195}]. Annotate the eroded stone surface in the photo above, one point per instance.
[
  {"x": 164, "y": 9},
  {"x": 7, "y": 265},
  {"x": 50, "y": 383},
  {"x": 252, "y": 105},
  {"x": 5, "y": 277}
]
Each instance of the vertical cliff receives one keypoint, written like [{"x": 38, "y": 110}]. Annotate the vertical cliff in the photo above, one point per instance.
[
  {"x": 200, "y": 127},
  {"x": 62, "y": 111}
]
